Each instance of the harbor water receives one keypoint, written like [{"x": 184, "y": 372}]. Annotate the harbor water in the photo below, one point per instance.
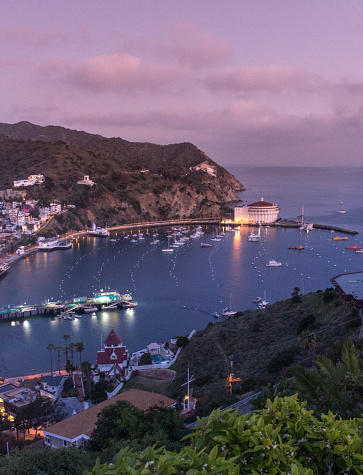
[{"x": 179, "y": 291}]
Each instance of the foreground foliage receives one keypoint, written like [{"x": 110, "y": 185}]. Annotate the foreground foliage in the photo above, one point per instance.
[{"x": 283, "y": 438}]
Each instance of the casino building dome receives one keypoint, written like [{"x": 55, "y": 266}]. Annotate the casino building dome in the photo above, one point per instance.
[{"x": 259, "y": 212}]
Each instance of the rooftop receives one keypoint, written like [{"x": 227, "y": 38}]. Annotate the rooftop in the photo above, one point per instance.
[{"x": 84, "y": 422}]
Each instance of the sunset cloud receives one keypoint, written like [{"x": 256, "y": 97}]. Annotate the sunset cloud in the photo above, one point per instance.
[
  {"x": 272, "y": 78},
  {"x": 123, "y": 71},
  {"x": 193, "y": 47}
]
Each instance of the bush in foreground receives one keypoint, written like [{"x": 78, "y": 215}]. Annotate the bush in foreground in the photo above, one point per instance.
[{"x": 283, "y": 438}]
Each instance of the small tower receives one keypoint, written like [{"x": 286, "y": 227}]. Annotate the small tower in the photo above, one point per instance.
[{"x": 112, "y": 359}]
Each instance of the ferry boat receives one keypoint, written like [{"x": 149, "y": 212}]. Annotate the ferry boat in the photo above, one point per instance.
[
  {"x": 338, "y": 238},
  {"x": 106, "y": 297},
  {"x": 298, "y": 248},
  {"x": 96, "y": 231},
  {"x": 354, "y": 247},
  {"x": 273, "y": 263}
]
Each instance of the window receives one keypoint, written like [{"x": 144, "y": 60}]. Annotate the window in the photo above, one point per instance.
[
  {"x": 64, "y": 443},
  {"x": 47, "y": 440}
]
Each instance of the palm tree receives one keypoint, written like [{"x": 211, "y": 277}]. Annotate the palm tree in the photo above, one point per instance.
[
  {"x": 51, "y": 347},
  {"x": 72, "y": 347},
  {"x": 66, "y": 349},
  {"x": 333, "y": 386},
  {"x": 58, "y": 348},
  {"x": 86, "y": 369},
  {"x": 79, "y": 346}
]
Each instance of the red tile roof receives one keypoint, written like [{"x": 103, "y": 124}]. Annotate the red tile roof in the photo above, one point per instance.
[
  {"x": 104, "y": 356},
  {"x": 262, "y": 204},
  {"x": 113, "y": 339}
]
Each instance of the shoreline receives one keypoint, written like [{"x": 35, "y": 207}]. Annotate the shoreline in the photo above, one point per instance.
[{"x": 283, "y": 223}]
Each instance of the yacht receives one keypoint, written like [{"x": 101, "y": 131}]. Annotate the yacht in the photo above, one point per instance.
[
  {"x": 273, "y": 263},
  {"x": 253, "y": 237}
]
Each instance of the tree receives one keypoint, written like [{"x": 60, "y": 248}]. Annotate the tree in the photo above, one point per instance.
[
  {"x": 296, "y": 297},
  {"x": 86, "y": 369},
  {"x": 66, "y": 349},
  {"x": 334, "y": 386},
  {"x": 51, "y": 347},
  {"x": 145, "y": 359},
  {"x": 72, "y": 347},
  {"x": 79, "y": 346},
  {"x": 282, "y": 438},
  {"x": 59, "y": 348},
  {"x": 182, "y": 341}
]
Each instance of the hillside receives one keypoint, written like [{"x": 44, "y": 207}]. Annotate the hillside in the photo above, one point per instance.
[
  {"x": 264, "y": 345},
  {"x": 134, "y": 181}
]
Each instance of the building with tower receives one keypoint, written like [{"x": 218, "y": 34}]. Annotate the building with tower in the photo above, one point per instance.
[{"x": 113, "y": 358}]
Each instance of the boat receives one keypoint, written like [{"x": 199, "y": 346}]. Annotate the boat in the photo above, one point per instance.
[
  {"x": 110, "y": 306},
  {"x": 202, "y": 244},
  {"x": 90, "y": 309},
  {"x": 112, "y": 240},
  {"x": 4, "y": 268},
  {"x": 216, "y": 314},
  {"x": 354, "y": 247},
  {"x": 298, "y": 248},
  {"x": 341, "y": 210},
  {"x": 129, "y": 304},
  {"x": 155, "y": 241},
  {"x": 96, "y": 231},
  {"x": 168, "y": 249},
  {"x": 253, "y": 237},
  {"x": 227, "y": 311},
  {"x": 257, "y": 300},
  {"x": 358, "y": 251},
  {"x": 106, "y": 297},
  {"x": 273, "y": 263},
  {"x": 338, "y": 238},
  {"x": 306, "y": 227},
  {"x": 264, "y": 302},
  {"x": 133, "y": 240}
]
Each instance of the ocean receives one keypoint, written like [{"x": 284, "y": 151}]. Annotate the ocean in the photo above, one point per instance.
[{"x": 179, "y": 292}]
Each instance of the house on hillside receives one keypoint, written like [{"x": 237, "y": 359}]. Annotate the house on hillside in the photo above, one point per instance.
[
  {"x": 86, "y": 181},
  {"x": 113, "y": 358},
  {"x": 76, "y": 430}
]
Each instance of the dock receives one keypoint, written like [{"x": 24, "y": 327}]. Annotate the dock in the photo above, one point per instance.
[{"x": 284, "y": 223}]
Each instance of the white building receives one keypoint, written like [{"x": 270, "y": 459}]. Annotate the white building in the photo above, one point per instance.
[
  {"x": 260, "y": 212},
  {"x": 86, "y": 181}
]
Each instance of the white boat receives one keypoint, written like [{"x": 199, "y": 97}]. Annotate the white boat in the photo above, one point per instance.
[
  {"x": 341, "y": 210},
  {"x": 90, "y": 309},
  {"x": 253, "y": 237},
  {"x": 96, "y": 231},
  {"x": 109, "y": 306},
  {"x": 273, "y": 263},
  {"x": 168, "y": 249},
  {"x": 257, "y": 300},
  {"x": 129, "y": 304},
  {"x": 264, "y": 302},
  {"x": 155, "y": 241},
  {"x": 227, "y": 311},
  {"x": 133, "y": 240},
  {"x": 216, "y": 314}
]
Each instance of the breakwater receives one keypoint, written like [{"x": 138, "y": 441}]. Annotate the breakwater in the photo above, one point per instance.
[{"x": 326, "y": 227}]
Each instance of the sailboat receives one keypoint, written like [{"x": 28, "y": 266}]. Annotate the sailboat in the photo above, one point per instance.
[
  {"x": 168, "y": 249},
  {"x": 264, "y": 301},
  {"x": 341, "y": 210},
  {"x": 227, "y": 311}
]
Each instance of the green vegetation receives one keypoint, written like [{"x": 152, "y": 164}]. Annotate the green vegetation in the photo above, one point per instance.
[
  {"x": 282, "y": 438},
  {"x": 134, "y": 181}
]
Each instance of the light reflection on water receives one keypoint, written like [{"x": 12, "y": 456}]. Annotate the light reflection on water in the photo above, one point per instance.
[{"x": 179, "y": 292}]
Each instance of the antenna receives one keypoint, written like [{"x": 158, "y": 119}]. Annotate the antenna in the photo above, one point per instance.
[{"x": 187, "y": 397}]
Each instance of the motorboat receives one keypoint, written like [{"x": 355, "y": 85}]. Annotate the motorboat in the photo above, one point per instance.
[
  {"x": 257, "y": 300},
  {"x": 358, "y": 251},
  {"x": 253, "y": 237},
  {"x": 90, "y": 309},
  {"x": 216, "y": 314},
  {"x": 202, "y": 244},
  {"x": 297, "y": 248},
  {"x": 338, "y": 238},
  {"x": 354, "y": 247},
  {"x": 129, "y": 304},
  {"x": 273, "y": 263}
]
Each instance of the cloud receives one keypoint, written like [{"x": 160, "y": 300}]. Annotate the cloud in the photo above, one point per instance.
[
  {"x": 252, "y": 79},
  {"x": 16, "y": 34},
  {"x": 193, "y": 47},
  {"x": 123, "y": 72}
]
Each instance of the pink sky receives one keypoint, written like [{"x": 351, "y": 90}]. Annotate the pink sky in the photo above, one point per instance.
[{"x": 250, "y": 82}]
